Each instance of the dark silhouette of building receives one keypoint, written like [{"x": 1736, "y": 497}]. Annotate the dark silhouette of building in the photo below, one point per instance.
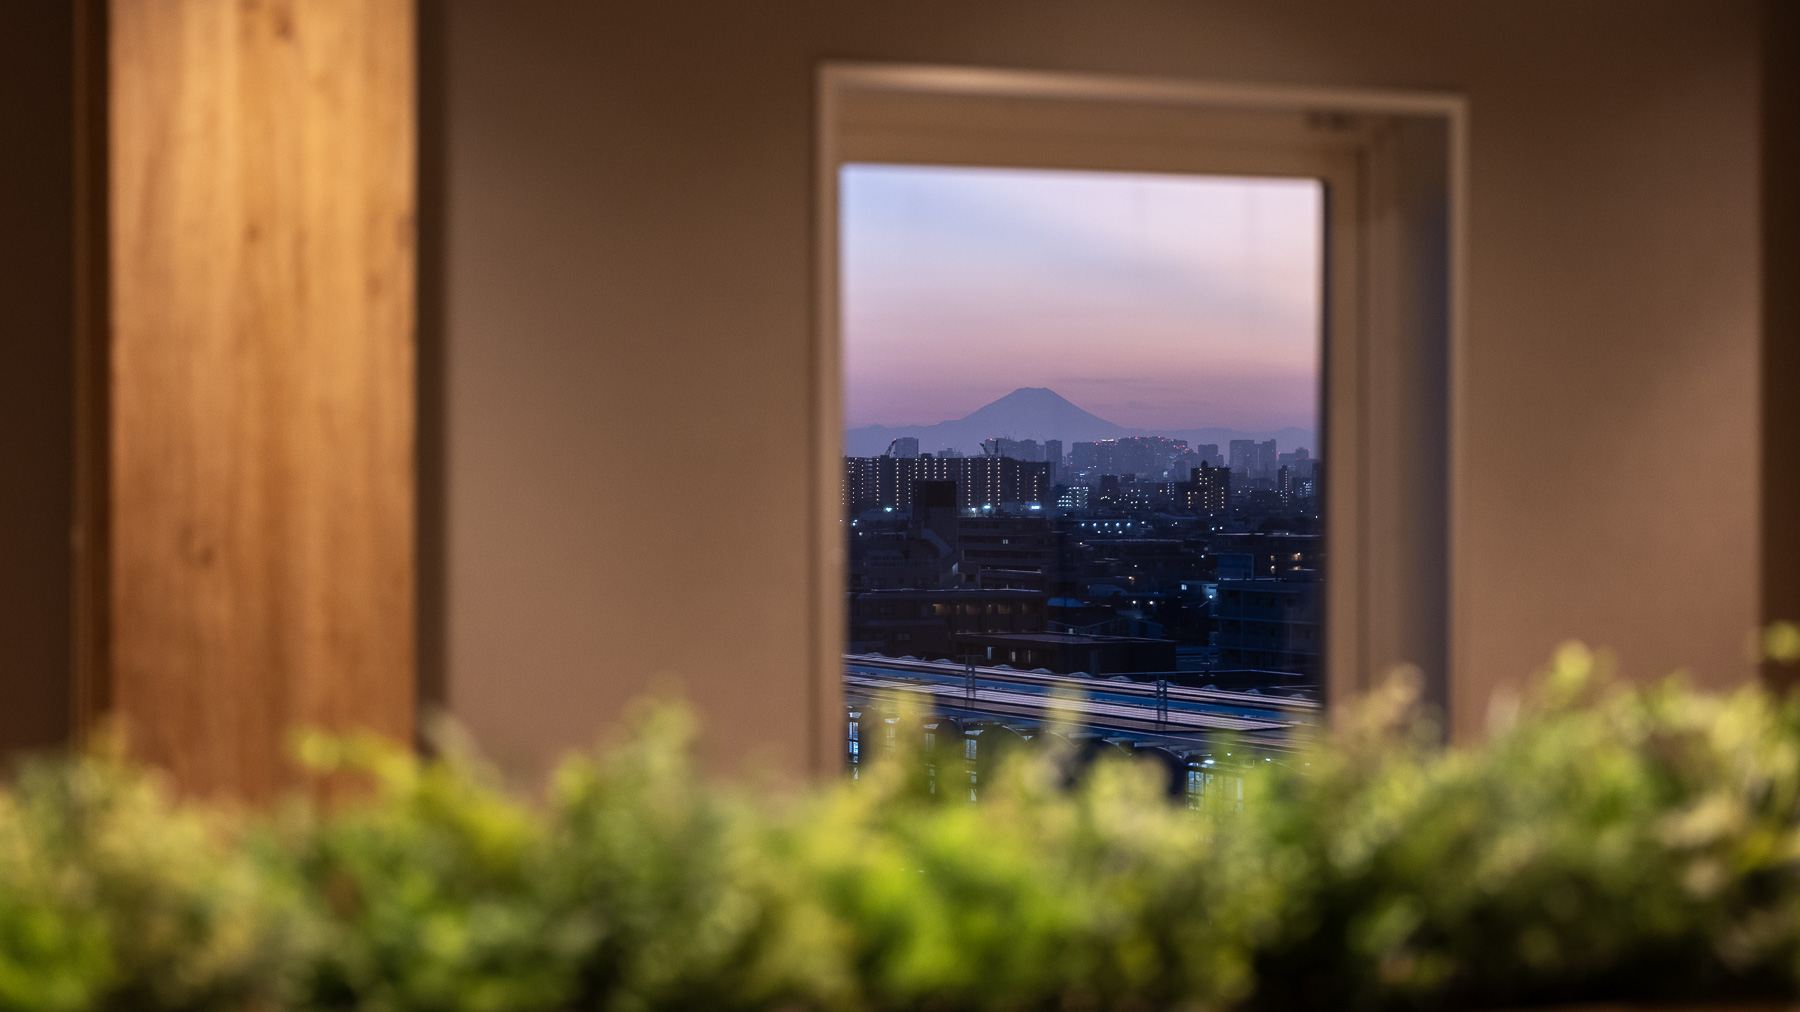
[
  {"x": 1110, "y": 496},
  {"x": 923, "y": 623},
  {"x": 1209, "y": 489},
  {"x": 1274, "y": 555},
  {"x": 886, "y": 482},
  {"x": 1267, "y": 624},
  {"x": 1067, "y": 653},
  {"x": 1007, "y": 552}
]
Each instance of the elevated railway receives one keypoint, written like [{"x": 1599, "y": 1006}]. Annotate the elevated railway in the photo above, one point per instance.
[{"x": 1158, "y": 713}]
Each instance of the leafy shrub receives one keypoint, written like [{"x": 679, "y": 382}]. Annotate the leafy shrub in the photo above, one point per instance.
[
  {"x": 113, "y": 897},
  {"x": 1105, "y": 896},
  {"x": 439, "y": 893},
  {"x": 1604, "y": 843}
]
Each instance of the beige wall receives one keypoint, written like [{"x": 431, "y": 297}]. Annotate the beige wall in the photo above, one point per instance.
[{"x": 626, "y": 202}]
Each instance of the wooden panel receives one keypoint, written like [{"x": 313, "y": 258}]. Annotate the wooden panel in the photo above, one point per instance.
[
  {"x": 92, "y": 598},
  {"x": 37, "y": 208},
  {"x": 262, "y": 279},
  {"x": 1780, "y": 536}
]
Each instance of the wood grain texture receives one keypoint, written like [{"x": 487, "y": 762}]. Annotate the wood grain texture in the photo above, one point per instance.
[
  {"x": 262, "y": 227},
  {"x": 92, "y": 597},
  {"x": 37, "y": 208}
]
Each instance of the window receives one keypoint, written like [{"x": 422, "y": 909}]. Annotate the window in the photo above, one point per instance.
[{"x": 957, "y": 294}]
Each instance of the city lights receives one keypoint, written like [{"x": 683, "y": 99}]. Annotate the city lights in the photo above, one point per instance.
[{"x": 1156, "y": 573}]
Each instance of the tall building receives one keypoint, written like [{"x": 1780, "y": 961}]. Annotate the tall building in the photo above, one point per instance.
[
  {"x": 1300, "y": 462},
  {"x": 1004, "y": 480},
  {"x": 1007, "y": 552},
  {"x": 1053, "y": 456},
  {"x": 1243, "y": 457},
  {"x": 1145, "y": 456},
  {"x": 1209, "y": 489},
  {"x": 1268, "y": 625},
  {"x": 1109, "y": 496},
  {"x": 1284, "y": 486},
  {"x": 859, "y": 485},
  {"x": 905, "y": 446},
  {"x": 1209, "y": 454},
  {"x": 1265, "y": 459},
  {"x": 887, "y": 482}
]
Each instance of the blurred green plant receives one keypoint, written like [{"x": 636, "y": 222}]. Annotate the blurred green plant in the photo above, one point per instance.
[
  {"x": 437, "y": 893},
  {"x": 1603, "y": 842},
  {"x": 1780, "y": 642},
  {"x": 112, "y": 896}
]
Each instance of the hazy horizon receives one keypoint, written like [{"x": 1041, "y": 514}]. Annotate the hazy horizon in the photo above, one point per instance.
[
  {"x": 1153, "y": 301},
  {"x": 1164, "y": 428},
  {"x": 1017, "y": 390},
  {"x": 1040, "y": 413}
]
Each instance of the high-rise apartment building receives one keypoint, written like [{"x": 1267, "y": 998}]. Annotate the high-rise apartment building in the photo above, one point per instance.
[
  {"x": 1209, "y": 489},
  {"x": 1053, "y": 456},
  {"x": 1109, "y": 496},
  {"x": 1300, "y": 462},
  {"x": 888, "y": 482},
  {"x": 1243, "y": 457},
  {"x": 1265, "y": 460},
  {"x": 1252, "y": 460},
  {"x": 1017, "y": 449},
  {"x": 1073, "y": 497}
]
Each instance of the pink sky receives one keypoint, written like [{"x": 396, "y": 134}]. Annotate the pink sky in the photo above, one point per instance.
[{"x": 1154, "y": 301}]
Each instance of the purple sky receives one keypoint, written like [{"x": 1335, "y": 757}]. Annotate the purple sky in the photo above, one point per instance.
[{"x": 1154, "y": 301}]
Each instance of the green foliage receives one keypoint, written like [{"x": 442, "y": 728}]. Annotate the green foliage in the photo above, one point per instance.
[
  {"x": 112, "y": 897},
  {"x": 1101, "y": 896},
  {"x": 439, "y": 894},
  {"x": 677, "y": 875},
  {"x": 1603, "y": 843}
]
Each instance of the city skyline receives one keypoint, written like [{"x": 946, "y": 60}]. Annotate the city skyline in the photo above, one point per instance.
[
  {"x": 1040, "y": 413},
  {"x": 1080, "y": 459},
  {"x": 1159, "y": 302}
]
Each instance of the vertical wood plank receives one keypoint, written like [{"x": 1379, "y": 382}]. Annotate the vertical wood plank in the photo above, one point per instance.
[
  {"x": 262, "y": 223},
  {"x": 37, "y": 286},
  {"x": 92, "y": 604},
  {"x": 1780, "y": 364}
]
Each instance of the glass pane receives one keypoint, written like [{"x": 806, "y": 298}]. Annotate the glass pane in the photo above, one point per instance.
[{"x": 1082, "y": 456}]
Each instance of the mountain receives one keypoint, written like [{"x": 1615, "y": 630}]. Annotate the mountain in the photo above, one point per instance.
[
  {"x": 1040, "y": 413},
  {"x": 1026, "y": 413}
]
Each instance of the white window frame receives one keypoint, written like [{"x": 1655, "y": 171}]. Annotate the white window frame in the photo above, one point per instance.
[{"x": 1393, "y": 164}]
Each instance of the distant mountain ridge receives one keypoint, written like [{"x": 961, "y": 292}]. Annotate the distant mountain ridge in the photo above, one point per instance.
[{"x": 1041, "y": 413}]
